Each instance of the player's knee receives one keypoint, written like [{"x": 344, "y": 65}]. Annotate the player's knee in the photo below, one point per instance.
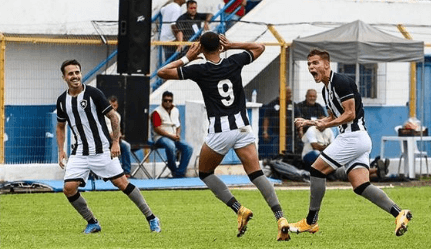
[
  {"x": 360, "y": 189},
  {"x": 203, "y": 175},
  {"x": 315, "y": 173}
]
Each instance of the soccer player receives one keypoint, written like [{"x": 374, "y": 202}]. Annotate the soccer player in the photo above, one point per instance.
[
  {"x": 84, "y": 108},
  {"x": 220, "y": 82},
  {"x": 350, "y": 149}
]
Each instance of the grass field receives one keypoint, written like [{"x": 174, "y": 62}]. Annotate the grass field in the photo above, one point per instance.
[{"x": 196, "y": 219}]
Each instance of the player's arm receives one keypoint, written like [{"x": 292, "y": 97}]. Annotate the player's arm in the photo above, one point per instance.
[
  {"x": 115, "y": 124},
  {"x": 170, "y": 70},
  {"x": 61, "y": 134},
  {"x": 347, "y": 116},
  {"x": 255, "y": 48}
]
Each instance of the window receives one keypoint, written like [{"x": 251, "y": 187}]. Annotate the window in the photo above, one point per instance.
[{"x": 370, "y": 84}]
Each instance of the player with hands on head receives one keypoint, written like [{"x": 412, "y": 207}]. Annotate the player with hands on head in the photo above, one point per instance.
[
  {"x": 219, "y": 80},
  {"x": 350, "y": 149}
]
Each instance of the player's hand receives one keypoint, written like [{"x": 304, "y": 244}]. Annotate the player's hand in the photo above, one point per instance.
[
  {"x": 224, "y": 42},
  {"x": 194, "y": 51},
  {"x": 320, "y": 125},
  {"x": 62, "y": 159},
  {"x": 299, "y": 122},
  {"x": 115, "y": 149}
]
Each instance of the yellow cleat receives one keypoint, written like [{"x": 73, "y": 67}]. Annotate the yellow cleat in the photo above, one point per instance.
[
  {"x": 283, "y": 229},
  {"x": 302, "y": 226},
  {"x": 401, "y": 221},
  {"x": 244, "y": 215}
]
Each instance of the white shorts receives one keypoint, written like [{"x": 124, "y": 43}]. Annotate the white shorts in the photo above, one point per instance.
[
  {"x": 222, "y": 142},
  {"x": 350, "y": 150},
  {"x": 78, "y": 167}
]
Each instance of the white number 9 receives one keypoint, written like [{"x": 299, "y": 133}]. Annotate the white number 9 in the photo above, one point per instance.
[{"x": 226, "y": 94}]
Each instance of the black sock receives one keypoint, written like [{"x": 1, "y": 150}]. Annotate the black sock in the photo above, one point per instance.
[
  {"x": 234, "y": 204},
  {"x": 150, "y": 217},
  {"x": 312, "y": 216},
  {"x": 395, "y": 210},
  {"x": 92, "y": 221},
  {"x": 278, "y": 213}
]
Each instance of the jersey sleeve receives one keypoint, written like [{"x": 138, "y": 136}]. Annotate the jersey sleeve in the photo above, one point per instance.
[
  {"x": 61, "y": 114},
  {"x": 100, "y": 100},
  {"x": 190, "y": 72},
  {"x": 243, "y": 58},
  {"x": 345, "y": 90}
]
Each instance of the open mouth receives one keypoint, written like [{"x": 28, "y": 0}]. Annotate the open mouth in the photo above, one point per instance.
[{"x": 315, "y": 74}]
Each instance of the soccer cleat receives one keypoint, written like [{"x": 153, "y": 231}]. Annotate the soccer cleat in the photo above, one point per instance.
[
  {"x": 92, "y": 228},
  {"x": 302, "y": 226},
  {"x": 155, "y": 225},
  {"x": 244, "y": 215},
  {"x": 283, "y": 229},
  {"x": 401, "y": 221}
]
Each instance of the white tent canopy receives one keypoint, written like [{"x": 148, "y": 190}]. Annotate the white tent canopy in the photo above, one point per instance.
[{"x": 358, "y": 42}]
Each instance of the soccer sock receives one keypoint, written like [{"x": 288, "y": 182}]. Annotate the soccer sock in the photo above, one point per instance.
[
  {"x": 267, "y": 190},
  {"x": 135, "y": 195},
  {"x": 79, "y": 203},
  {"x": 217, "y": 186},
  {"x": 378, "y": 197},
  {"x": 234, "y": 204},
  {"x": 317, "y": 191}
]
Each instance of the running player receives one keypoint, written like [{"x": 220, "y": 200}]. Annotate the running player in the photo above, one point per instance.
[
  {"x": 220, "y": 82},
  {"x": 350, "y": 149},
  {"x": 84, "y": 108}
]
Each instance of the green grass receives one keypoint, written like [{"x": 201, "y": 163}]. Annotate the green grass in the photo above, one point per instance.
[{"x": 196, "y": 219}]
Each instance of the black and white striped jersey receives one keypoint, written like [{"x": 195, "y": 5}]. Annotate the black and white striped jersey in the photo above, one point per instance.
[
  {"x": 339, "y": 89},
  {"x": 222, "y": 90},
  {"x": 85, "y": 116}
]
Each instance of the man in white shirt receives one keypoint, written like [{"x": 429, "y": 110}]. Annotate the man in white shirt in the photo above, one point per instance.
[
  {"x": 170, "y": 14},
  {"x": 315, "y": 140}
]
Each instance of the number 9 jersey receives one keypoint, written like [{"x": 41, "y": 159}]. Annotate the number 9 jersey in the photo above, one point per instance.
[{"x": 222, "y": 90}]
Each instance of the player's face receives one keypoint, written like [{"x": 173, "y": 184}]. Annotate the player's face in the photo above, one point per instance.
[
  {"x": 318, "y": 67},
  {"x": 72, "y": 76},
  {"x": 192, "y": 9}
]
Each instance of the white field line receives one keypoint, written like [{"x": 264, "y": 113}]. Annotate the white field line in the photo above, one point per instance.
[{"x": 307, "y": 187}]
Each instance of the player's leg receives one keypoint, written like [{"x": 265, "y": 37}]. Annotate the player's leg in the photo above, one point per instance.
[
  {"x": 76, "y": 175},
  {"x": 250, "y": 161},
  {"x": 359, "y": 178},
  {"x": 135, "y": 195},
  {"x": 318, "y": 172},
  {"x": 108, "y": 168}
]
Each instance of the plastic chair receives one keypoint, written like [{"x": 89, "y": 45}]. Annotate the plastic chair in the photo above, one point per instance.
[
  {"x": 417, "y": 154},
  {"x": 153, "y": 149}
]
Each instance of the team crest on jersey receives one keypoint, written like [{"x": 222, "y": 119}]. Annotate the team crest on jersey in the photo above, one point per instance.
[
  {"x": 331, "y": 95},
  {"x": 83, "y": 103}
]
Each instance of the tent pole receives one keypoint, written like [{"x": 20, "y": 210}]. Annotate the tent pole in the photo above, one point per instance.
[
  {"x": 412, "y": 99},
  {"x": 357, "y": 74}
]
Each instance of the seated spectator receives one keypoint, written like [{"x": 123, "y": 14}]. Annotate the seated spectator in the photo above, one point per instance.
[
  {"x": 124, "y": 145},
  {"x": 310, "y": 109},
  {"x": 271, "y": 130},
  {"x": 238, "y": 15},
  {"x": 166, "y": 130},
  {"x": 315, "y": 141}
]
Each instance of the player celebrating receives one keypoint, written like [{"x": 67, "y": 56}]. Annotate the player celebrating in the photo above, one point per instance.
[
  {"x": 220, "y": 82},
  {"x": 350, "y": 149},
  {"x": 83, "y": 107}
]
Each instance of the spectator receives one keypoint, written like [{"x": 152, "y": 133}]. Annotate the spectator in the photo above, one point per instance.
[
  {"x": 170, "y": 14},
  {"x": 310, "y": 109},
  {"x": 189, "y": 23},
  {"x": 167, "y": 134},
  {"x": 315, "y": 141},
  {"x": 271, "y": 130},
  {"x": 238, "y": 15},
  {"x": 125, "y": 148}
]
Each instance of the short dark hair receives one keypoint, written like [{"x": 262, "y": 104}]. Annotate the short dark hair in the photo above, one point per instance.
[
  {"x": 322, "y": 53},
  {"x": 167, "y": 93},
  {"x": 210, "y": 41},
  {"x": 113, "y": 98},
  {"x": 69, "y": 62},
  {"x": 191, "y": 2}
]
